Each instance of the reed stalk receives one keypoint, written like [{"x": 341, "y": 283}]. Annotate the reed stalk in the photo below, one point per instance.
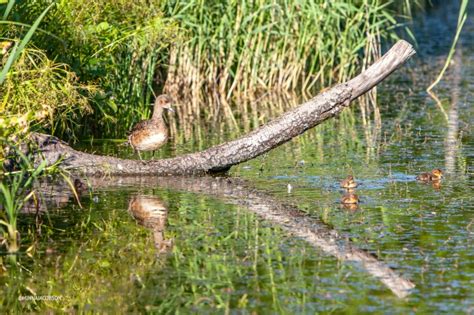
[
  {"x": 237, "y": 50},
  {"x": 461, "y": 19}
]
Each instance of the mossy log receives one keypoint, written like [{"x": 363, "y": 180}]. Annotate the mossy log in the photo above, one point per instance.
[{"x": 221, "y": 157}]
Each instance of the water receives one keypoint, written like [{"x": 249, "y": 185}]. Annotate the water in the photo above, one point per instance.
[{"x": 208, "y": 252}]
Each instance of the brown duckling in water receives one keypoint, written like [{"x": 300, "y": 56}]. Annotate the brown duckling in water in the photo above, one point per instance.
[
  {"x": 149, "y": 135},
  {"x": 350, "y": 198},
  {"x": 434, "y": 175},
  {"x": 349, "y": 183}
]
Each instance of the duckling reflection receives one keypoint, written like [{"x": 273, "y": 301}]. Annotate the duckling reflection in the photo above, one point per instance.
[
  {"x": 436, "y": 184},
  {"x": 350, "y": 206},
  {"x": 150, "y": 212},
  {"x": 350, "y": 199}
]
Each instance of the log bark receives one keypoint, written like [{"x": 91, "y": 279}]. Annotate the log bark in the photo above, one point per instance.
[{"x": 221, "y": 157}]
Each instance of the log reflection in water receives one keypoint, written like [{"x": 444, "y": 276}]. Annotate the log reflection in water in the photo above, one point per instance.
[
  {"x": 451, "y": 142},
  {"x": 151, "y": 212},
  {"x": 288, "y": 217}
]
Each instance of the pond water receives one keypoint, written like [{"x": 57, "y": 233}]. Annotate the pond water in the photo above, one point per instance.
[{"x": 200, "y": 252}]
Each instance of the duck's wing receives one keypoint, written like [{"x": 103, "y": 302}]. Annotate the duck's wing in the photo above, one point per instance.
[{"x": 140, "y": 126}]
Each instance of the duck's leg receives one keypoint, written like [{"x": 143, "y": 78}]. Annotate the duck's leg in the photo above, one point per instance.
[{"x": 140, "y": 157}]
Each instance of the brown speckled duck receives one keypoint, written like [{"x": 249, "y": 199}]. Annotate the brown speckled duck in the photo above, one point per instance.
[
  {"x": 151, "y": 134},
  {"x": 350, "y": 198},
  {"x": 349, "y": 183},
  {"x": 434, "y": 175}
]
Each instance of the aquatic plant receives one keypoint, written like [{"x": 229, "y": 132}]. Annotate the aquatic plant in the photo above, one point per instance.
[
  {"x": 36, "y": 91},
  {"x": 15, "y": 191},
  {"x": 461, "y": 20}
]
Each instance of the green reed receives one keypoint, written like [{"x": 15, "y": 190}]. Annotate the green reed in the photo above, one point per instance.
[
  {"x": 35, "y": 91},
  {"x": 243, "y": 48},
  {"x": 461, "y": 19},
  {"x": 16, "y": 189},
  {"x": 205, "y": 54}
]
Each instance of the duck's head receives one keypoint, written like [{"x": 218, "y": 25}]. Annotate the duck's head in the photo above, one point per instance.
[
  {"x": 164, "y": 101},
  {"x": 437, "y": 173}
]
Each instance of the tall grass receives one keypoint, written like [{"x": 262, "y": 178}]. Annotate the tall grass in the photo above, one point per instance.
[
  {"x": 240, "y": 49},
  {"x": 215, "y": 58},
  {"x": 41, "y": 94},
  {"x": 16, "y": 189},
  {"x": 35, "y": 91},
  {"x": 119, "y": 46}
]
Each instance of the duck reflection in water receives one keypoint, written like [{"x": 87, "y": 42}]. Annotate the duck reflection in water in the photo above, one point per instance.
[{"x": 151, "y": 212}]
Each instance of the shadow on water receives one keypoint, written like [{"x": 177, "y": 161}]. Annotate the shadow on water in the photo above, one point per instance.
[{"x": 192, "y": 245}]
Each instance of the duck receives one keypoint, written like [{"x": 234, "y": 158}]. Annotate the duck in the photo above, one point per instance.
[
  {"x": 151, "y": 134},
  {"x": 350, "y": 198},
  {"x": 434, "y": 175},
  {"x": 349, "y": 183}
]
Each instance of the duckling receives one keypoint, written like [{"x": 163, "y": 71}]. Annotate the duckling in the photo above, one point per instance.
[
  {"x": 349, "y": 182},
  {"x": 350, "y": 198},
  {"x": 5, "y": 46},
  {"x": 434, "y": 175},
  {"x": 149, "y": 135}
]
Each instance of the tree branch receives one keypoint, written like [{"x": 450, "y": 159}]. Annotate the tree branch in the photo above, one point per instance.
[{"x": 223, "y": 156}]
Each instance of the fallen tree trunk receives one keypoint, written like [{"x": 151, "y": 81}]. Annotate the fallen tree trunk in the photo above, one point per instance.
[{"x": 222, "y": 157}]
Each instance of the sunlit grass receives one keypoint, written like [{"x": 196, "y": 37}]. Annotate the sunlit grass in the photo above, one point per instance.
[
  {"x": 41, "y": 94},
  {"x": 119, "y": 46},
  {"x": 243, "y": 49}
]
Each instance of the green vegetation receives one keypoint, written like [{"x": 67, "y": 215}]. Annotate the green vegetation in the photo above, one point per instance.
[
  {"x": 16, "y": 190},
  {"x": 244, "y": 48},
  {"x": 461, "y": 20},
  {"x": 34, "y": 90},
  {"x": 91, "y": 68},
  {"x": 118, "y": 46},
  {"x": 124, "y": 52}
]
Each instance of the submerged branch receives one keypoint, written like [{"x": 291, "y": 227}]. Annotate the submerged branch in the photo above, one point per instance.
[{"x": 221, "y": 157}]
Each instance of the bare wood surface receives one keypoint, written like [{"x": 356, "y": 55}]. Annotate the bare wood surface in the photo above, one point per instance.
[{"x": 223, "y": 156}]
